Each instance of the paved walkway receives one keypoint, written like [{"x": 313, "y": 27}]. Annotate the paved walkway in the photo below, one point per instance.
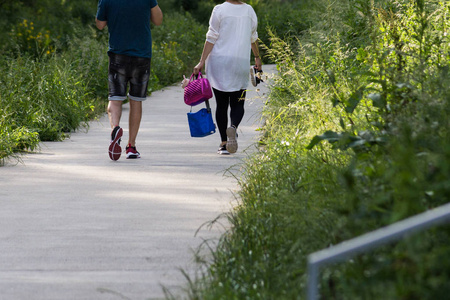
[{"x": 76, "y": 225}]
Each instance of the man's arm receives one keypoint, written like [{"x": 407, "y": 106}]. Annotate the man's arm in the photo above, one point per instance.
[
  {"x": 157, "y": 15},
  {"x": 100, "y": 24}
]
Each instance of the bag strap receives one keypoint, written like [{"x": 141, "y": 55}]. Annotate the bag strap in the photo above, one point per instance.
[
  {"x": 194, "y": 77},
  {"x": 208, "y": 108}
]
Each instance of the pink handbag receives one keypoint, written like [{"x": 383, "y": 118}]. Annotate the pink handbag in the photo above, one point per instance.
[{"x": 197, "y": 91}]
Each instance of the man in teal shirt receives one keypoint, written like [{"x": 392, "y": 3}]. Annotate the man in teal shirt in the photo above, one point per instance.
[{"x": 130, "y": 52}]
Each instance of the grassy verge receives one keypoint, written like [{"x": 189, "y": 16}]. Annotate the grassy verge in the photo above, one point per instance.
[{"x": 356, "y": 138}]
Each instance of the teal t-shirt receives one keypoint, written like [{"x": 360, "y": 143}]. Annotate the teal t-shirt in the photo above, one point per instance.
[{"x": 128, "y": 25}]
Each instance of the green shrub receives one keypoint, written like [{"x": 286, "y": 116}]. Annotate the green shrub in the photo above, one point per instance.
[
  {"x": 42, "y": 27},
  {"x": 177, "y": 47},
  {"x": 29, "y": 40},
  {"x": 287, "y": 19}
]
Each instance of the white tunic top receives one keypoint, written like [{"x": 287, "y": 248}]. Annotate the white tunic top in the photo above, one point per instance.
[{"x": 232, "y": 30}]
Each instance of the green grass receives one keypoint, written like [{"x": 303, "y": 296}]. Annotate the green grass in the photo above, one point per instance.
[
  {"x": 368, "y": 86},
  {"x": 42, "y": 99}
]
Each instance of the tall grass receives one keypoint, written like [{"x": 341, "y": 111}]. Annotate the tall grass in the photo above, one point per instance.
[
  {"x": 355, "y": 138},
  {"x": 43, "y": 99}
]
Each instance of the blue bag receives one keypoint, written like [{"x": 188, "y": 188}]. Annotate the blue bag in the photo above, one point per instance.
[{"x": 201, "y": 123}]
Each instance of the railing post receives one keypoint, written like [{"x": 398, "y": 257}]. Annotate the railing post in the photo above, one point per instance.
[
  {"x": 313, "y": 284},
  {"x": 369, "y": 241}
]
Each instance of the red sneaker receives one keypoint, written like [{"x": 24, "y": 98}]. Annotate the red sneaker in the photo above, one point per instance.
[
  {"x": 132, "y": 152},
  {"x": 115, "y": 150}
]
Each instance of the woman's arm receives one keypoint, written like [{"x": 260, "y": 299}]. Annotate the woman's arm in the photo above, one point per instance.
[
  {"x": 206, "y": 51},
  {"x": 211, "y": 37},
  {"x": 157, "y": 15},
  {"x": 255, "y": 49}
]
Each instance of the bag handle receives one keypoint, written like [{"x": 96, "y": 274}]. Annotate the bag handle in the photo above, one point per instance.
[
  {"x": 208, "y": 108},
  {"x": 196, "y": 76}
]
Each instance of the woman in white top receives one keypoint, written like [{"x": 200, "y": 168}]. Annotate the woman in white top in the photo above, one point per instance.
[{"x": 231, "y": 36}]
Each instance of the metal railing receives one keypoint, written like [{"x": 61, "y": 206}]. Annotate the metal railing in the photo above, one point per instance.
[{"x": 369, "y": 241}]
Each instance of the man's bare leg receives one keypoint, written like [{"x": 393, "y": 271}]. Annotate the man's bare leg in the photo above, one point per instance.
[
  {"x": 114, "y": 113},
  {"x": 134, "y": 121}
]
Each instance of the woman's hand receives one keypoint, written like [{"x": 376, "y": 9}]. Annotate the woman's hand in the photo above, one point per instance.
[
  {"x": 199, "y": 67},
  {"x": 258, "y": 64}
]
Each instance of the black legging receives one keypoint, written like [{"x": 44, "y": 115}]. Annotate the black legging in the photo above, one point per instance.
[{"x": 236, "y": 101}]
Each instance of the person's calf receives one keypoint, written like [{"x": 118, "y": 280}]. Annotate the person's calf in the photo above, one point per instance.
[{"x": 114, "y": 113}]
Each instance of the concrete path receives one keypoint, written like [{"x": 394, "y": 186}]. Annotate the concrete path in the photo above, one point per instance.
[{"x": 76, "y": 225}]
